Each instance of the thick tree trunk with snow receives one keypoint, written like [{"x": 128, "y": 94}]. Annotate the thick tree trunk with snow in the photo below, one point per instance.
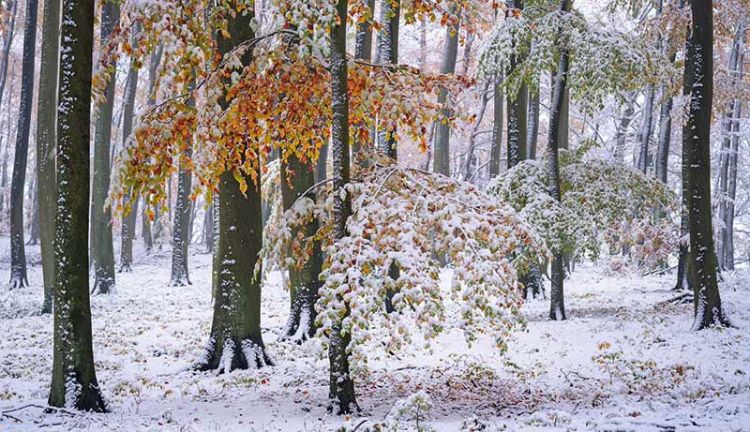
[
  {"x": 101, "y": 243},
  {"x": 18, "y": 276},
  {"x": 235, "y": 341},
  {"x": 696, "y": 144},
  {"x": 341, "y": 388},
  {"x": 304, "y": 283},
  {"x": 45, "y": 143},
  {"x": 73, "y": 375},
  {"x": 557, "y": 271},
  {"x": 441, "y": 151}
]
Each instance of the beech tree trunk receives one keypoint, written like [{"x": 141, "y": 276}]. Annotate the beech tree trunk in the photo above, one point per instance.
[
  {"x": 18, "y": 276},
  {"x": 646, "y": 130},
  {"x": 73, "y": 375},
  {"x": 341, "y": 389},
  {"x": 388, "y": 54},
  {"x": 442, "y": 150},
  {"x": 236, "y": 341},
  {"x": 182, "y": 215},
  {"x": 296, "y": 179},
  {"x": 362, "y": 51},
  {"x": 497, "y": 128},
  {"x": 557, "y": 273},
  {"x": 621, "y": 135},
  {"x": 148, "y": 241},
  {"x": 45, "y": 143},
  {"x": 127, "y": 233},
  {"x": 696, "y": 142},
  {"x": 533, "y": 127},
  {"x": 518, "y": 104},
  {"x": 102, "y": 244}
]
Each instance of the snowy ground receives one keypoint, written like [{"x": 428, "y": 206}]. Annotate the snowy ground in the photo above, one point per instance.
[{"x": 622, "y": 362}]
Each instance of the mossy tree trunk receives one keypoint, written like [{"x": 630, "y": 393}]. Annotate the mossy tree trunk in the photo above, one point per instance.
[{"x": 73, "y": 375}]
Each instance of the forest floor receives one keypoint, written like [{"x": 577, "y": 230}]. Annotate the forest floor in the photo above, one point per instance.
[{"x": 623, "y": 361}]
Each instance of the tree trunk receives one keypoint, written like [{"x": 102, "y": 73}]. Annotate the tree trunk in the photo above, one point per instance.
[
  {"x": 73, "y": 374},
  {"x": 621, "y": 135},
  {"x": 7, "y": 38},
  {"x": 34, "y": 234},
  {"x": 646, "y": 129},
  {"x": 441, "y": 151},
  {"x": 696, "y": 141},
  {"x": 17, "y": 251},
  {"x": 236, "y": 341},
  {"x": 341, "y": 390},
  {"x": 296, "y": 178},
  {"x": 208, "y": 228},
  {"x": 45, "y": 143},
  {"x": 665, "y": 136},
  {"x": 362, "y": 51},
  {"x": 732, "y": 192},
  {"x": 182, "y": 213},
  {"x": 533, "y": 127},
  {"x": 127, "y": 233},
  {"x": 388, "y": 54},
  {"x": 557, "y": 273},
  {"x": 153, "y": 70},
  {"x": 101, "y": 244},
  {"x": 518, "y": 105},
  {"x": 497, "y": 128}
]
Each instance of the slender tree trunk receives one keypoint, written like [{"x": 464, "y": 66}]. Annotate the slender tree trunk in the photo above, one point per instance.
[
  {"x": 127, "y": 233},
  {"x": 468, "y": 173},
  {"x": 45, "y": 143},
  {"x": 557, "y": 274},
  {"x": 497, "y": 128},
  {"x": 236, "y": 341},
  {"x": 696, "y": 133},
  {"x": 621, "y": 135},
  {"x": 533, "y": 126},
  {"x": 182, "y": 212},
  {"x": 7, "y": 41},
  {"x": 665, "y": 136},
  {"x": 518, "y": 104},
  {"x": 341, "y": 390},
  {"x": 646, "y": 130},
  {"x": 208, "y": 227},
  {"x": 17, "y": 251},
  {"x": 362, "y": 51},
  {"x": 73, "y": 374},
  {"x": 153, "y": 72},
  {"x": 296, "y": 178},
  {"x": 34, "y": 234},
  {"x": 441, "y": 150},
  {"x": 388, "y": 54},
  {"x": 732, "y": 193},
  {"x": 102, "y": 244}
]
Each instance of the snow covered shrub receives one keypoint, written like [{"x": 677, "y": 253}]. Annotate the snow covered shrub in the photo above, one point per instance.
[
  {"x": 401, "y": 218},
  {"x": 602, "y": 203}
]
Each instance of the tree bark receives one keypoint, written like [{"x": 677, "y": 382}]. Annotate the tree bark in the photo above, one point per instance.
[
  {"x": 621, "y": 135},
  {"x": 533, "y": 126},
  {"x": 518, "y": 105},
  {"x": 182, "y": 213},
  {"x": 497, "y": 128},
  {"x": 696, "y": 141},
  {"x": 73, "y": 374},
  {"x": 341, "y": 389},
  {"x": 646, "y": 130},
  {"x": 236, "y": 341},
  {"x": 362, "y": 51},
  {"x": 127, "y": 233},
  {"x": 18, "y": 276},
  {"x": 388, "y": 54},
  {"x": 441, "y": 151},
  {"x": 45, "y": 143},
  {"x": 557, "y": 274},
  {"x": 665, "y": 135},
  {"x": 304, "y": 284},
  {"x": 102, "y": 244}
]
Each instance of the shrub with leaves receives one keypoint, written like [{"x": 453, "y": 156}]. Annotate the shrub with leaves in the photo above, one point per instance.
[
  {"x": 405, "y": 217},
  {"x": 602, "y": 203}
]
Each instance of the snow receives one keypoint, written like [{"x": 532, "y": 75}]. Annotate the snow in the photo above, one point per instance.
[{"x": 623, "y": 361}]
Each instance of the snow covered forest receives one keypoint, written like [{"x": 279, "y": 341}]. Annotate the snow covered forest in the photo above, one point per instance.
[{"x": 375, "y": 215}]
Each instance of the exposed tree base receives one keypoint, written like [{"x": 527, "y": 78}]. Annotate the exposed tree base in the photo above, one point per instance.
[
  {"x": 88, "y": 398},
  {"x": 125, "y": 268},
  {"x": 179, "y": 281},
  {"x": 299, "y": 328},
  {"x": 18, "y": 279},
  {"x": 103, "y": 286},
  {"x": 47, "y": 305},
  {"x": 233, "y": 355},
  {"x": 711, "y": 320}
]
